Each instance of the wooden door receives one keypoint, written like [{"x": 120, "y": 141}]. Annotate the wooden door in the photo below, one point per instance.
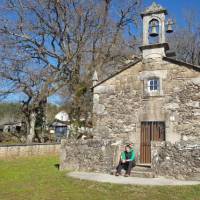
[{"x": 150, "y": 131}]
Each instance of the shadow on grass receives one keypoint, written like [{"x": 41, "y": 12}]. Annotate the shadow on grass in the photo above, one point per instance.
[{"x": 57, "y": 166}]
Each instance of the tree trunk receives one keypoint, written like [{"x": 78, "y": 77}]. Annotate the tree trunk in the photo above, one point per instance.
[{"x": 31, "y": 130}]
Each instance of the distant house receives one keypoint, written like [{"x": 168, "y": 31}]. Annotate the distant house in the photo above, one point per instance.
[
  {"x": 59, "y": 126},
  {"x": 62, "y": 116},
  {"x": 12, "y": 127},
  {"x": 62, "y": 126}
]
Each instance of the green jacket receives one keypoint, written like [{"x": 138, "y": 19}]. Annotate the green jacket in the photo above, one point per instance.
[{"x": 131, "y": 155}]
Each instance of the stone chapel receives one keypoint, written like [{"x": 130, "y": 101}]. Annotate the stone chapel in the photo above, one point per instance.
[
  {"x": 155, "y": 98},
  {"x": 154, "y": 103}
]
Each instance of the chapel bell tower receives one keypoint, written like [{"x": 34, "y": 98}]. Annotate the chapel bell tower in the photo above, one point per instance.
[{"x": 155, "y": 26}]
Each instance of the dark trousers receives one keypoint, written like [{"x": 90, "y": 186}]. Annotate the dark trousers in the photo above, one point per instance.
[{"x": 127, "y": 166}]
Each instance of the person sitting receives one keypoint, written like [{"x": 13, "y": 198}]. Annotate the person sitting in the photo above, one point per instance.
[{"x": 127, "y": 161}]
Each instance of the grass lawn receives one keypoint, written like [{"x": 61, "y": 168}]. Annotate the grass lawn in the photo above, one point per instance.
[{"x": 39, "y": 179}]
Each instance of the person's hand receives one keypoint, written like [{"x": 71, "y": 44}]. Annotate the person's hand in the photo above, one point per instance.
[
  {"x": 127, "y": 160},
  {"x": 123, "y": 161}
]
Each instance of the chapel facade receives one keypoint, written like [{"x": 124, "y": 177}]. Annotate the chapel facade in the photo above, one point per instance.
[{"x": 154, "y": 98}]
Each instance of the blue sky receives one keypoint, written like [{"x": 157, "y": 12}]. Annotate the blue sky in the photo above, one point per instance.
[{"x": 177, "y": 8}]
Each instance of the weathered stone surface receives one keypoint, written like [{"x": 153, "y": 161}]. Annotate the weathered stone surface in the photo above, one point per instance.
[
  {"x": 88, "y": 155},
  {"x": 180, "y": 160},
  {"x": 99, "y": 109},
  {"x": 104, "y": 89}
]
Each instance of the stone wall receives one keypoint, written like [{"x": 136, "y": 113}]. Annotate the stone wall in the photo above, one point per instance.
[
  {"x": 88, "y": 155},
  {"x": 180, "y": 160},
  {"x": 187, "y": 112},
  {"x": 16, "y": 151}
]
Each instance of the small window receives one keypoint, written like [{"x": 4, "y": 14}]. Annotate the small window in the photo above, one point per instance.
[{"x": 153, "y": 84}]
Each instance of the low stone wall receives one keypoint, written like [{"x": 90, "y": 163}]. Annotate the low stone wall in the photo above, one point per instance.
[
  {"x": 88, "y": 155},
  {"x": 180, "y": 160},
  {"x": 15, "y": 151}
]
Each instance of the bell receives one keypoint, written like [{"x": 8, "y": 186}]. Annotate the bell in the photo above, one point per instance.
[
  {"x": 169, "y": 28},
  {"x": 153, "y": 32}
]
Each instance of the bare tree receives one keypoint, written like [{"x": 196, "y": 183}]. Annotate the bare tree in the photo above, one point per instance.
[
  {"x": 110, "y": 44},
  {"x": 186, "y": 40},
  {"x": 34, "y": 85},
  {"x": 48, "y": 44}
]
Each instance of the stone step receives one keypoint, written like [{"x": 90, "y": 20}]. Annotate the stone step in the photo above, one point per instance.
[
  {"x": 142, "y": 169},
  {"x": 142, "y": 174},
  {"x": 148, "y": 165},
  {"x": 137, "y": 171}
]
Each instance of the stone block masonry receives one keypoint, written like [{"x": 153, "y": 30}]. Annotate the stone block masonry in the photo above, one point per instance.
[
  {"x": 23, "y": 150},
  {"x": 180, "y": 160},
  {"x": 88, "y": 155}
]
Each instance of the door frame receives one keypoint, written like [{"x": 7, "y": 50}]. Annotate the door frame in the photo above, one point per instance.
[{"x": 150, "y": 131}]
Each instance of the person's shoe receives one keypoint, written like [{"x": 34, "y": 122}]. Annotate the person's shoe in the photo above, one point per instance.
[
  {"x": 126, "y": 175},
  {"x": 117, "y": 174}
]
